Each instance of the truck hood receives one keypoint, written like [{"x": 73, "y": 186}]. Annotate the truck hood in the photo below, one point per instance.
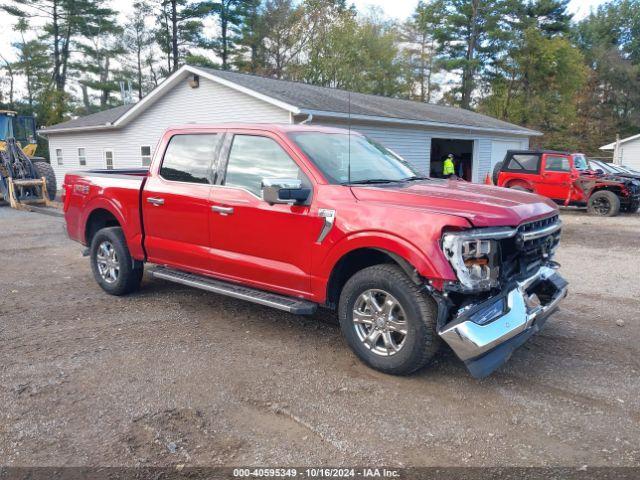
[{"x": 481, "y": 205}]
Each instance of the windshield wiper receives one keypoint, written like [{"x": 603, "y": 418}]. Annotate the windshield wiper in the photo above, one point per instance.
[
  {"x": 414, "y": 178},
  {"x": 370, "y": 181}
]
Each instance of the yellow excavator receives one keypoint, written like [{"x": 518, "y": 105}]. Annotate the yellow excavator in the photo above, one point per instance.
[{"x": 24, "y": 178}]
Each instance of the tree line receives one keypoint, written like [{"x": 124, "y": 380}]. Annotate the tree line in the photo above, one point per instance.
[{"x": 524, "y": 61}]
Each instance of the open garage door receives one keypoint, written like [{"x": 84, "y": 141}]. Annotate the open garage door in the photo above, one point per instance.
[{"x": 462, "y": 151}]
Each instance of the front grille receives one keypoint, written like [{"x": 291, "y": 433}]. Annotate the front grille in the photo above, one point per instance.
[{"x": 530, "y": 248}]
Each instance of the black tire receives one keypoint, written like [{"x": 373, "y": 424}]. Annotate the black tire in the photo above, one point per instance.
[
  {"x": 421, "y": 341},
  {"x": 520, "y": 189},
  {"x": 45, "y": 170},
  {"x": 496, "y": 171},
  {"x": 604, "y": 204},
  {"x": 129, "y": 274}
]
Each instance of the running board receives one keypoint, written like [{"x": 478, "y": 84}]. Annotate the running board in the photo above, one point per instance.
[{"x": 293, "y": 305}]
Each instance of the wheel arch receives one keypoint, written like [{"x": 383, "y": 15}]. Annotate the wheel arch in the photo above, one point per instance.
[
  {"x": 340, "y": 267},
  {"x": 98, "y": 219},
  {"x": 518, "y": 182}
]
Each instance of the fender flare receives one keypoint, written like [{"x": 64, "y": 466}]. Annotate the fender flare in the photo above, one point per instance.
[{"x": 100, "y": 203}]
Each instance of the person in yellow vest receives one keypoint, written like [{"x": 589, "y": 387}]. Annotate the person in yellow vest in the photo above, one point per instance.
[{"x": 448, "y": 167}]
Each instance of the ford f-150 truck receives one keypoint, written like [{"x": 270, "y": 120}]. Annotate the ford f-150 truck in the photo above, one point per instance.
[{"x": 296, "y": 217}]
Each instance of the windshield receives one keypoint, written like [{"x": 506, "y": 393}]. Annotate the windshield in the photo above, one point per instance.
[
  {"x": 5, "y": 123},
  {"x": 580, "y": 162},
  {"x": 619, "y": 169},
  {"x": 370, "y": 162}
]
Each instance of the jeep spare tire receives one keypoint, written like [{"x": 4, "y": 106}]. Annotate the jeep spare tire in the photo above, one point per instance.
[{"x": 496, "y": 171}]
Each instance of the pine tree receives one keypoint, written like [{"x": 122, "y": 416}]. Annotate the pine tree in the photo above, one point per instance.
[
  {"x": 179, "y": 29},
  {"x": 32, "y": 63},
  {"x": 139, "y": 40},
  {"x": 421, "y": 50},
  {"x": 229, "y": 17},
  {"x": 471, "y": 35},
  {"x": 100, "y": 45}
]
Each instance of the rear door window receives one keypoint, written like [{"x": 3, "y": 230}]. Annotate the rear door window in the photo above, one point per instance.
[
  {"x": 557, "y": 164},
  {"x": 189, "y": 158},
  {"x": 524, "y": 163}
]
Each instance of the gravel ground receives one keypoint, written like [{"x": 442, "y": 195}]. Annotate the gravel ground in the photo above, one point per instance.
[{"x": 173, "y": 375}]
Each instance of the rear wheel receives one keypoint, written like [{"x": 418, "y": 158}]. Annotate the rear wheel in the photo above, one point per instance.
[
  {"x": 113, "y": 268},
  {"x": 44, "y": 169},
  {"x": 604, "y": 204},
  {"x": 387, "y": 321},
  {"x": 520, "y": 189}
]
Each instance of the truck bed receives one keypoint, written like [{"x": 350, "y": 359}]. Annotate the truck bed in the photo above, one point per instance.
[{"x": 117, "y": 191}]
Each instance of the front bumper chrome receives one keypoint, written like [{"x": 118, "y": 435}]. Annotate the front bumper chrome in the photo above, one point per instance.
[{"x": 524, "y": 315}]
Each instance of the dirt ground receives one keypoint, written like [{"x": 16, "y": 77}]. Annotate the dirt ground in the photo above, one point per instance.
[{"x": 173, "y": 375}]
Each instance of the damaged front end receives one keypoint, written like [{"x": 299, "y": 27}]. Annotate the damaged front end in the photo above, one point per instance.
[{"x": 507, "y": 287}]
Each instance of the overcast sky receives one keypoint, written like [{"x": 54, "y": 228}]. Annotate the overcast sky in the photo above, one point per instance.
[{"x": 400, "y": 9}]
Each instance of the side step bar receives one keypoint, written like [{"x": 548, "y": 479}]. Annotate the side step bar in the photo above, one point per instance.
[{"x": 293, "y": 305}]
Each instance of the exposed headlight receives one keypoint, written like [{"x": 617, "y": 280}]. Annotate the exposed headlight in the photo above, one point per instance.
[{"x": 475, "y": 256}]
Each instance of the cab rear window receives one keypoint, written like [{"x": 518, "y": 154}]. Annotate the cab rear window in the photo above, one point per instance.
[{"x": 524, "y": 163}]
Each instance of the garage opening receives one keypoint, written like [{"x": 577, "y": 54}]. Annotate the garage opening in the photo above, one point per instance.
[{"x": 462, "y": 151}]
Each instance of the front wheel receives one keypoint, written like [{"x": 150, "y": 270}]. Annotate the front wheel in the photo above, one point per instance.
[
  {"x": 44, "y": 169},
  {"x": 604, "y": 204},
  {"x": 387, "y": 321},
  {"x": 113, "y": 268}
]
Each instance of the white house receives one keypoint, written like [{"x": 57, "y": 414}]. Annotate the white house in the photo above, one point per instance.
[
  {"x": 422, "y": 133},
  {"x": 626, "y": 151}
]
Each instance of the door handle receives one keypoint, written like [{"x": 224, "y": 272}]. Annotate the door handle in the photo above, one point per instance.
[
  {"x": 155, "y": 201},
  {"x": 222, "y": 210}
]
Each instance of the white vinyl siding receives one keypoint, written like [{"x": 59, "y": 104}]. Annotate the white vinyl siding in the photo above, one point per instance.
[
  {"x": 108, "y": 159},
  {"x": 82, "y": 157},
  {"x": 630, "y": 154},
  {"x": 213, "y": 103},
  {"x": 145, "y": 155},
  {"x": 209, "y": 104}
]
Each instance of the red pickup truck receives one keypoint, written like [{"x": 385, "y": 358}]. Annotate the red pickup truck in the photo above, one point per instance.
[
  {"x": 567, "y": 179},
  {"x": 296, "y": 217}
]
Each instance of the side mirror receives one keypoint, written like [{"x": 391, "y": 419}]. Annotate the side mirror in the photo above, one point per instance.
[{"x": 284, "y": 190}]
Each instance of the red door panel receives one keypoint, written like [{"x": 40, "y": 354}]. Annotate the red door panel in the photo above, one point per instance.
[
  {"x": 176, "y": 220},
  {"x": 267, "y": 245},
  {"x": 556, "y": 177}
]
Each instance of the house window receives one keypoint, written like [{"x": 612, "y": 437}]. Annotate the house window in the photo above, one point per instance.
[
  {"x": 108, "y": 159},
  {"x": 59, "y": 156},
  {"x": 145, "y": 155},
  {"x": 82, "y": 157}
]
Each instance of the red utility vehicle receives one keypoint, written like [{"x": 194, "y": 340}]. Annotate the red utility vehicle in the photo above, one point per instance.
[
  {"x": 296, "y": 217},
  {"x": 567, "y": 179}
]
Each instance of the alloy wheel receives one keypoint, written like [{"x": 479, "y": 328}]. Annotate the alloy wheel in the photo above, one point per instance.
[
  {"x": 108, "y": 263},
  {"x": 601, "y": 206},
  {"x": 380, "y": 322}
]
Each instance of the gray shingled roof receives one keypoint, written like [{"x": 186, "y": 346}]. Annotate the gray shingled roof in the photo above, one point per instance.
[
  {"x": 94, "y": 120},
  {"x": 311, "y": 97},
  {"x": 308, "y": 98}
]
